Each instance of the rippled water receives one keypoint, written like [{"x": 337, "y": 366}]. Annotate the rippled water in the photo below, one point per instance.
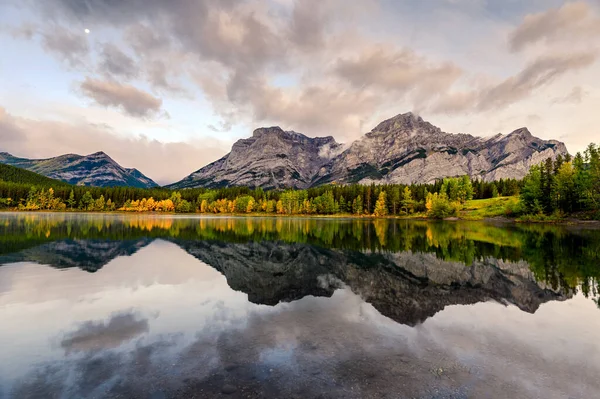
[{"x": 157, "y": 307}]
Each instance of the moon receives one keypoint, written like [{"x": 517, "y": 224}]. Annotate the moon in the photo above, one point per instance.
[{"x": 87, "y": 31}]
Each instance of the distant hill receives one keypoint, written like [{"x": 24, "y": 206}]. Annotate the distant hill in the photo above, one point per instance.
[
  {"x": 404, "y": 149},
  {"x": 13, "y": 174},
  {"x": 98, "y": 170}
]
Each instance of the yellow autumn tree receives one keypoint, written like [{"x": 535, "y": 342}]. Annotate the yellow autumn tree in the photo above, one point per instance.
[
  {"x": 250, "y": 206},
  {"x": 204, "y": 206},
  {"x": 380, "y": 205}
]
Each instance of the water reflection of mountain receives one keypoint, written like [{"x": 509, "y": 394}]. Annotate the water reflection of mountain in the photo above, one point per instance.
[
  {"x": 89, "y": 255},
  {"x": 407, "y": 287}
]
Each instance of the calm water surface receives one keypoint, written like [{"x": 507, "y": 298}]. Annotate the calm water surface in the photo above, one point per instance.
[{"x": 129, "y": 306}]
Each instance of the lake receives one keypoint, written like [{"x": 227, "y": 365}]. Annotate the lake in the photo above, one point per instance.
[{"x": 142, "y": 306}]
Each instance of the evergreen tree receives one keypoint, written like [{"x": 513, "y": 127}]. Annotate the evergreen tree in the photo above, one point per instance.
[
  {"x": 343, "y": 205},
  {"x": 87, "y": 202},
  {"x": 99, "y": 203},
  {"x": 71, "y": 200},
  {"x": 357, "y": 206},
  {"x": 407, "y": 201},
  {"x": 395, "y": 199}
]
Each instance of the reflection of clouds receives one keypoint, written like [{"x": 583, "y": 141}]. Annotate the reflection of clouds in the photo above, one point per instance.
[
  {"x": 93, "y": 336},
  {"x": 342, "y": 346},
  {"x": 206, "y": 336},
  {"x": 302, "y": 348}
]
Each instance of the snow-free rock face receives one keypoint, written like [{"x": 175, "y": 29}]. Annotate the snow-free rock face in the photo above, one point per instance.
[
  {"x": 404, "y": 149},
  {"x": 271, "y": 158},
  {"x": 96, "y": 169}
]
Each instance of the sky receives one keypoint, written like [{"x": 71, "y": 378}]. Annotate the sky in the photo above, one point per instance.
[{"x": 167, "y": 86}]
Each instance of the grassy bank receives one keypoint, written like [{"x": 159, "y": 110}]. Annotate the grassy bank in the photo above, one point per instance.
[{"x": 490, "y": 208}]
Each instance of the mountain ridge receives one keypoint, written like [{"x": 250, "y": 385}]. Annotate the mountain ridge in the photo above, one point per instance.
[
  {"x": 403, "y": 149},
  {"x": 271, "y": 158},
  {"x": 96, "y": 169}
]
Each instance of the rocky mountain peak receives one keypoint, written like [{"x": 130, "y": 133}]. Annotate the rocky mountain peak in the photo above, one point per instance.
[
  {"x": 403, "y": 149},
  {"x": 274, "y": 130},
  {"x": 100, "y": 156},
  {"x": 405, "y": 123},
  {"x": 521, "y": 132}
]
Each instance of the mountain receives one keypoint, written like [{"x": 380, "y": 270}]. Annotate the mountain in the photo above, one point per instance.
[
  {"x": 96, "y": 169},
  {"x": 404, "y": 149},
  {"x": 271, "y": 158}
]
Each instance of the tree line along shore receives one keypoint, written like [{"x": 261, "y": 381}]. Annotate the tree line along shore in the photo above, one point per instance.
[{"x": 559, "y": 188}]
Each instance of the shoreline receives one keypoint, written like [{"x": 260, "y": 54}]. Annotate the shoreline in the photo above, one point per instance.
[{"x": 497, "y": 219}]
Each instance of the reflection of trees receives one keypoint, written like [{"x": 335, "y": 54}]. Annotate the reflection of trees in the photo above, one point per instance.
[{"x": 560, "y": 256}]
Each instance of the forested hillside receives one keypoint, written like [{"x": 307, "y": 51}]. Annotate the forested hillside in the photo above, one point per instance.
[{"x": 9, "y": 173}]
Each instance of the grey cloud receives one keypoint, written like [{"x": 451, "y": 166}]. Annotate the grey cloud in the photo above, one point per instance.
[
  {"x": 133, "y": 101},
  {"x": 227, "y": 31},
  {"x": 238, "y": 40},
  {"x": 574, "y": 97},
  {"x": 145, "y": 40},
  {"x": 117, "y": 63},
  {"x": 240, "y": 37},
  {"x": 70, "y": 46},
  {"x": 319, "y": 109},
  {"x": 44, "y": 139},
  {"x": 26, "y": 31},
  {"x": 537, "y": 74},
  {"x": 94, "y": 336},
  {"x": 401, "y": 70},
  {"x": 571, "y": 21},
  {"x": 158, "y": 76},
  {"x": 308, "y": 23},
  {"x": 116, "y": 12}
]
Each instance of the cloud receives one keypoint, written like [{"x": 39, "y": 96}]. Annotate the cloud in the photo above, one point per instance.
[
  {"x": 71, "y": 47},
  {"x": 158, "y": 76},
  {"x": 320, "y": 109},
  {"x": 308, "y": 24},
  {"x": 132, "y": 101},
  {"x": 572, "y": 21},
  {"x": 537, "y": 74},
  {"x": 574, "y": 97},
  {"x": 94, "y": 336},
  {"x": 163, "y": 162},
  {"x": 325, "y": 66},
  {"x": 116, "y": 63},
  {"x": 495, "y": 96},
  {"x": 145, "y": 40},
  {"x": 397, "y": 70}
]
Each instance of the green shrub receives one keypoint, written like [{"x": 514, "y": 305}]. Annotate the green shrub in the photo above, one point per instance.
[{"x": 439, "y": 206}]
